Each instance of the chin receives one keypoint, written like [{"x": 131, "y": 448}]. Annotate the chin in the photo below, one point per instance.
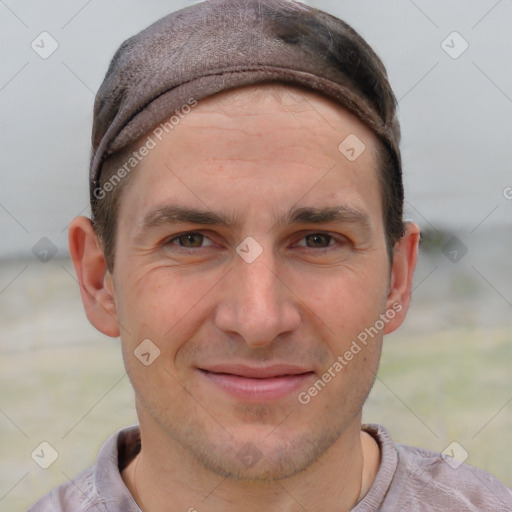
[{"x": 263, "y": 460}]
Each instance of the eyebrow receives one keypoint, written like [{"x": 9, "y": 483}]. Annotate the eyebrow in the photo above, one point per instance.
[
  {"x": 308, "y": 215},
  {"x": 304, "y": 215}
]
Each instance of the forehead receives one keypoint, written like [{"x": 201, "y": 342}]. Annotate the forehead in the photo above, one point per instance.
[
  {"x": 272, "y": 138},
  {"x": 278, "y": 98}
]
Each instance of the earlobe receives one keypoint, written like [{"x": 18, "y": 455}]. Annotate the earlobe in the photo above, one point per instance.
[
  {"x": 404, "y": 263},
  {"x": 96, "y": 285}
]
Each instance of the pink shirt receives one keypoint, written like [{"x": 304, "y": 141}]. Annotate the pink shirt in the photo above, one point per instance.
[{"x": 409, "y": 480}]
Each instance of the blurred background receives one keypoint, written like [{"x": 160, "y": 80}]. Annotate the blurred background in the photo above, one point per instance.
[{"x": 445, "y": 375}]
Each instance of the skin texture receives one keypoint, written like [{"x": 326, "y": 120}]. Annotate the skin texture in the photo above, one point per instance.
[{"x": 252, "y": 156}]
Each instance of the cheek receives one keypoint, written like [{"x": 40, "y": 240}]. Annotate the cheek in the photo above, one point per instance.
[
  {"x": 159, "y": 313},
  {"x": 159, "y": 304},
  {"x": 346, "y": 300}
]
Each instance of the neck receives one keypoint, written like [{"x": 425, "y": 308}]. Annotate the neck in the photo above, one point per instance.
[{"x": 336, "y": 481}]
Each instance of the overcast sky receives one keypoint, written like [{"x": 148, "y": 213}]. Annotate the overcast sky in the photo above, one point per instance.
[{"x": 455, "y": 104}]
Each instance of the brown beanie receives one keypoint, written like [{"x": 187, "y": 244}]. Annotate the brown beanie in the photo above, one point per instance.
[{"x": 222, "y": 44}]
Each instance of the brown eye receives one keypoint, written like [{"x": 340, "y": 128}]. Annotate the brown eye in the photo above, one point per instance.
[
  {"x": 189, "y": 240},
  {"x": 318, "y": 240}
]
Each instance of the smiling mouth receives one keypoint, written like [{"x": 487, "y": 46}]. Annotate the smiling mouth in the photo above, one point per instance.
[{"x": 258, "y": 384}]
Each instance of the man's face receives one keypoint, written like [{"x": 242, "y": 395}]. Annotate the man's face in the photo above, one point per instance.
[{"x": 220, "y": 317}]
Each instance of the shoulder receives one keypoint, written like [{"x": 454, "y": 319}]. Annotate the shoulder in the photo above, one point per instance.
[
  {"x": 424, "y": 477},
  {"x": 79, "y": 495},
  {"x": 94, "y": 487}
]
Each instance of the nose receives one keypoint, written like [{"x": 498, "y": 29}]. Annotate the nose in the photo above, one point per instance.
[{"x": 256, "y": 302}]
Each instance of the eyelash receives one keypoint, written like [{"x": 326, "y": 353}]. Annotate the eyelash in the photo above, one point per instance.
[{"x": 313, "y": 233}]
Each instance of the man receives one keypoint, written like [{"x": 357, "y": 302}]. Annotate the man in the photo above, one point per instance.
[{"x": 248, "y": 247}]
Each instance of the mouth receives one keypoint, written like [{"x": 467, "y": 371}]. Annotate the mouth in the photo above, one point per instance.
[{"x": 257, "y": 383}]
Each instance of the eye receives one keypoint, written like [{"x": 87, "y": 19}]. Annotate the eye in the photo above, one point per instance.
[
  {"x": 317, "y": 241},
  {"x": 192, "y": 240}
]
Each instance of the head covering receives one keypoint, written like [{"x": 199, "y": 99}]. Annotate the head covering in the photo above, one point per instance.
[{"x": 223, "y": 44}]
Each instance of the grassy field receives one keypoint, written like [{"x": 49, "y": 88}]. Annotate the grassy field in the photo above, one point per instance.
[{"x": 435, "y": 386}]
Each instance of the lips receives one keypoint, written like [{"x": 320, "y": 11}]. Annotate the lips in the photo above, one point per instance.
[
  {"x": 257, "y": 383},
  {"x": 253, "y": 372}
]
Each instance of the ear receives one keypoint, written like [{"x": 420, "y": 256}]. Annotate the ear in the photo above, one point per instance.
[
  {"x": 96, "y": 286},
  {"x": 402, "y": 271}
]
